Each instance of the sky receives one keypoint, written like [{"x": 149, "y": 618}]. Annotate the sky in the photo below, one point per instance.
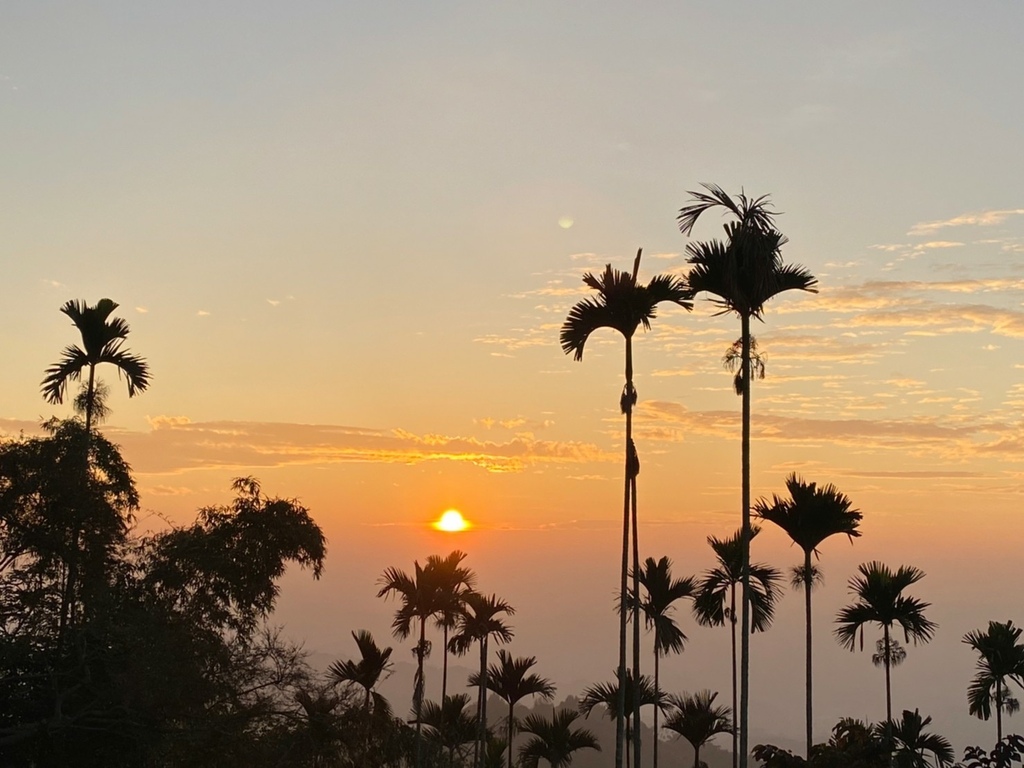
[{"x": 345, "y": 236}]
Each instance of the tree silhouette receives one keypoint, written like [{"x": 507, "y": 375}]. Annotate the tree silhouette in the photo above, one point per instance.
[
  {"x": 715, "y": 603},
  {"x": 1000, "y": 659},
  {"x": 661, "y": 592},
  {"x": 450, "y": 724},
  {"x": 554, "y": 740},
  {"x": 623, "y": 304},
  {"x": 477, "y": 624},
  {"x": 880, "y": 600},
  {"x": 910, "y": 742},
  {"x": 512, "y": 680},
  {"x": 741, "y": 274},
  {"x": 373, "y": 663},
  {"x": 696, "y": 718},
  {"x": 809, "y": 516},
  {"x": 454, "y": 582},
  {"x": 630, "y": 698}
]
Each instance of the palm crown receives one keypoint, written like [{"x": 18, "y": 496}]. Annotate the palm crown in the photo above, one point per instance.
[
  {"x": 554, "y": 740},
  {"x": 712, "y": 605},
  {"x": 880, "y": 600},
  {"x": 1000, "y": 659},
  {"x": 103, "y": 340},
  {"x": 368, "y": 671},
  {"x": 621, "y": 303}
]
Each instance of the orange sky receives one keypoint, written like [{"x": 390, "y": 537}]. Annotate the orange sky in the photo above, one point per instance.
[{"x": 345, "y": 239}]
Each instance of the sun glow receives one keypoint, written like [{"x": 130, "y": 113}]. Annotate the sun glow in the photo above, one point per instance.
[{"x": 451, "y": 521}]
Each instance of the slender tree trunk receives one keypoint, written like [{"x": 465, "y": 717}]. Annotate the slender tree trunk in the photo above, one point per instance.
[
  {"x": 620, "y": 714},
  {"x": 417, "y": 695},
  {"x": 745, "y": 574},
  {"x": 511, "y": 719},
  {"x": 696, "y": 756},
  {"x": 732, "y": 622},
  {"x": 888, "y": 697},
  {"x": 807, "y": 617},
  {"x": 657, "y": 692},
  {"x": 444, "y": 663},
  {"x": 483, "y": 701},
  {"x": 637, "y": 733},
  {"x": 999, "y": 710}
]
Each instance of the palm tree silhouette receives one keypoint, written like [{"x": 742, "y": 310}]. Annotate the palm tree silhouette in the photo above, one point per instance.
[
  {"x": 420, "y": 599},
  {"x": 741, "y": 274},
  {"x": 454, "y": 581},
  {"x": 477, "y": 624},
  {"x": 809, "y": 516},
  {"x": 697, "y": 719},
  {"x": 451, "y": 725},
  {"x": 554, "y": 740},
  {"x": 629, "y": 698},
  {"x": 623, "y": 304},
  {"x": 662, "y": 591},
  {"x": 512, "y": 680},
  {"x": 715, "y": 603},
  {"x": 1000, "y": 659},
  {"x": 373, "y": 664},
  {"x": 103, "y": 341},
  {"x": 911, "y": 741},
  {"x": 880, "y": 600}
]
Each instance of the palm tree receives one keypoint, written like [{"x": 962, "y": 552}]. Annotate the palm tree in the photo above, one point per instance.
[
  {"x": 454, "y": 581},
  {"x": 623, "y": 304},
  {"x": 809, "y": 516},
  {"x": 477, "y": 624},
  {"x": 880, "y": 600},
  {"x": 1000, "y": 659},
  {"x": 697, "y": 719},
  {"x": 371, "y": 668},
  {"x": 512, "y": 680},
  {"x": 554, "y": 740},
  {"x": 103, "y": 340},
  {"x": 715, "y": 603},
  {"x": 420, "y": 600},
  {"x": 741, "y": 274},
  {"x": 911, "y": 741},
  {"x": 618, "y": 700},
  {"x": 662, "y": 592}
]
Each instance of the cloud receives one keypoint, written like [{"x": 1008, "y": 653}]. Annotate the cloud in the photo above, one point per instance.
[
  {"x": 175, "y": 445},
  {"x": 273, "y": 302},
  {"x": 983, "y": 219},
  {"x": 202, "y": 313},
  {"x": 141, "y": 310}
]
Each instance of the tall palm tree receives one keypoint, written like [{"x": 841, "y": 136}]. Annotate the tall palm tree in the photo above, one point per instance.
[
  {"x": 910, "y": 742},
  {"x": 715, "y": 603},
  {"x": 373, "y": 664},
  {"x": 662, "y": 591},
  {"x": 1000, "y": 659},
  {"x": 420, "y": 599},
  {"x": 455, "y": 581},
  {"x": 810, "y": 515},
  {"x": 630, "y": 698},
  {"x": 880, "y": 600},
  {"x": 741, "y": 274},
  {"x": 554, "y": 740},
  {"x": 477, "y": 624},
  {"x": 623, "y": 305},
  {"x": 512, "y": 680},
  {"x": 103, "y": 341},
  {"x": 697, "y": 719}
]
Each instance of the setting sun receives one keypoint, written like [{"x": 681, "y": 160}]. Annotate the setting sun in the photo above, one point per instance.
[{"x": 452, "y": 521}]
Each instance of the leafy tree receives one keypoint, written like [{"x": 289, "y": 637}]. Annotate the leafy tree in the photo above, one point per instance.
[
  {"x": 810, "y": 515},
  {"x": 512, "y": 680},
  {"x": 661, "y": 592},
  {"x": 623, "y": 304},
  {"x": 880, "y": 600},
  {"x": 555, "y": 740},
  {"x": 741, "y": 274},
  {"x": 1000, "y": 659},
  {"x": 696, "y": 718},
  {"x": 477, "y": 624},
  {"x": 715, "y": 602},
  {"x": 373, "y": 665},
  {"x": 1006, "y": 751},
  {"x": 451, "y": 726}
]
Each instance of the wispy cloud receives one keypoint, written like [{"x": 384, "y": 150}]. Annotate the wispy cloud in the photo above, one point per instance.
[{"x": 983, "y": 219}]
